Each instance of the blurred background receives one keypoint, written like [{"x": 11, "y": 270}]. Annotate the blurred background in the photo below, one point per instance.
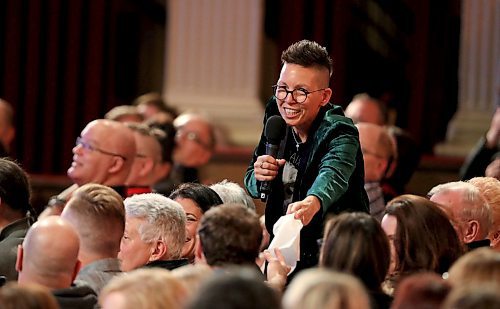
[{"x": 435, "y": 64}]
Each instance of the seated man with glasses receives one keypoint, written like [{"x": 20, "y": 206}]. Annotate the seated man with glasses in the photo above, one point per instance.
[
  {"x": 194, "y": 147},
  {"x": 319, "y": 169},
  {"x": 103, "y": 154}
]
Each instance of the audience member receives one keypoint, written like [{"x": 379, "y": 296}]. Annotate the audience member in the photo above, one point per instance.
[
  {"x": 240, "y": 288},
  {"x": 378, "y": 153},
  {"x": 155, "y": 231},
  {"x": 103, "y": 154},
  {"x": 421, "y": 290},
  {"x": 152, "y": 107},
  {"x": 476, "y": 267},
  {"x": 195, "y": 199},
  {"x": 195, "y": 144},
  {"x": 365, "y": 108},
  {"x": 229, "y": 234},
  {"x": 7, "y": 130},
  {"x": 473, "y": 297},
  {"x": 49, "y": 257},
  {"x": 467, "y": 210},
  {"x": 232, "y": 193},
  {"x": 124, "y": 113},
  {"x": 356, "y": 244},
  {"x": 14, "y": 219},
  {"x": 490, "y": 189},
  {"x": 319, "y": 169},
  {"x": 421, "y": 238},
  {"x": 484, "y": 159},
  {"x": 98, "y": 216},
  {"x": 148, "y": 164},
  {"x": 29, "y": 296},
  {"x": 325, "y": 289},
  {"x": 144, "y": 288}
]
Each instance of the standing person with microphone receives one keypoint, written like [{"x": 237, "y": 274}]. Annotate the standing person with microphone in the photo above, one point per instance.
[{"x": 318, "y": 169}]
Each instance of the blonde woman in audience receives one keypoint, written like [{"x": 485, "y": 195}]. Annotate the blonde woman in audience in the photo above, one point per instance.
[
  {"x": 321, "y": 288},
  {"x": 144, "y": 288},
  {"x": 476, "y": 267},
  {"x": 490, "y": 189}
]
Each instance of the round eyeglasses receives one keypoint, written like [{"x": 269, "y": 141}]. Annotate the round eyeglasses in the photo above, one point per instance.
[{"x": 299, "y": 95}]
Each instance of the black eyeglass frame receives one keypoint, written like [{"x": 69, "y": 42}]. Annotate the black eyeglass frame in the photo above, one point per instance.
[{"x": 306, "y": 93}]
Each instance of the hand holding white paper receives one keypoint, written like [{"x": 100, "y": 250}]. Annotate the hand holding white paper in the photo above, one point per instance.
[{"x": 287, "y": 238}]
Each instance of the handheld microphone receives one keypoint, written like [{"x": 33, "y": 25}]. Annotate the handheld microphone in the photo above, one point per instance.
[{"x": 274, "y": 133}]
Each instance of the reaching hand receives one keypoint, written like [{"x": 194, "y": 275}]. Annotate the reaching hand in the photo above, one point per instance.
[
  {"x": 306, "y": 209},
  {"x": 277, "y": 269}
]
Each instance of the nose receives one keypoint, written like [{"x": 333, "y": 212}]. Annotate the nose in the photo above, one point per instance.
[
  {"x": 77, "y": 149},
  {"x": 289, "y": 98}
]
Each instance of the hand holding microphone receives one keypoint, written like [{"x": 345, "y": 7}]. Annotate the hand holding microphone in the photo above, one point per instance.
[{"x": 266, "y": 167}]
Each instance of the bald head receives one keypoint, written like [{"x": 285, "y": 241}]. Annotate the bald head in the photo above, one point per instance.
[
  {"x": 104, "y": 154},
  {"x": 364, "y": 108},
  {"x": 195, "y": 140},
  {"x": 49, "y": 254}
]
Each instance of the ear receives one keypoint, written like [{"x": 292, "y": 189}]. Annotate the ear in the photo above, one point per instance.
[
  {"x": 77, "y": 268},
  {"x": 472, "y": 231},
  {"x": 19, "y": 259},
  {"x": 327, "y": 94},
  {"x": 117, "y": 165},
  {"x": 147, "y": 167},
  {"x": 199, "y": 257},
  {"x": 158, "y": 251}
]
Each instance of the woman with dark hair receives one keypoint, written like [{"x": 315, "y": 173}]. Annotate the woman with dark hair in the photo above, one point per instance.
[
  {"x": 421, "y": 237},
  {"x": 196, "y": 199},
  {"x": 355, "y": 243}
]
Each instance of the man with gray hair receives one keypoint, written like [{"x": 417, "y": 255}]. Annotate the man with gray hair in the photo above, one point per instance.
[
  {"x": 98, "y": 216},
  {"x": 467, "y": 210},
  {"x": 155, "y": 232}
]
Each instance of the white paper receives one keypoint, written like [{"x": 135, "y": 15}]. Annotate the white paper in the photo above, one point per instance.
[{"x": 287, "y": 238}]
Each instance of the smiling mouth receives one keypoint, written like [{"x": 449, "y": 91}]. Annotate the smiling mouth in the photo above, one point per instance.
[{"x": 291, "y": 112}]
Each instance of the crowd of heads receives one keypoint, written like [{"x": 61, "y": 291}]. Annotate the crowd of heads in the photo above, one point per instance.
[{"x": 199, "y": 245}]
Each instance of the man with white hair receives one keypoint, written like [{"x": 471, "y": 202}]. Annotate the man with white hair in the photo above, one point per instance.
[
  {"x": 155, "y": 232},
  {"x": 467, "y": 210}
]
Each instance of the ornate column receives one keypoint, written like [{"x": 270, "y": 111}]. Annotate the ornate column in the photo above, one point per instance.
[
  {"x": 479, "y": 76},
  {"x": 213, "y": 63}
]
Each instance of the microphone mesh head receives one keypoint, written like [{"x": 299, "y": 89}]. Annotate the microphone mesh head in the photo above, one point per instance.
[{"x": 275, "y": 129}]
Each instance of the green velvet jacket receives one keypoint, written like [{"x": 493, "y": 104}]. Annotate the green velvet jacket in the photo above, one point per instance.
[{"x": 334, "y": 171}]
